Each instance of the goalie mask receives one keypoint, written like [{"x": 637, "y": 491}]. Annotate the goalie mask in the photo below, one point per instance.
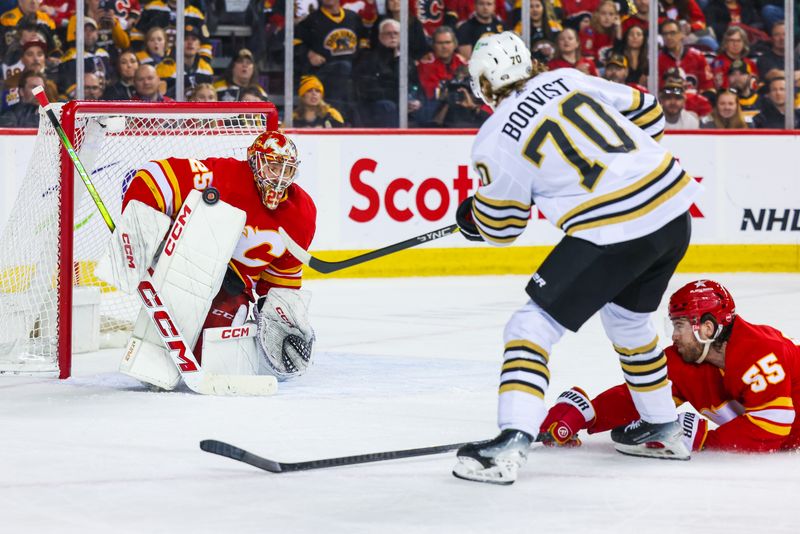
[{"x": 273, "y": 160}]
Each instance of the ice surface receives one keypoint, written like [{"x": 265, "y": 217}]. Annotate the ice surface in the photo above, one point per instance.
[{"x": 400, "y": 364}]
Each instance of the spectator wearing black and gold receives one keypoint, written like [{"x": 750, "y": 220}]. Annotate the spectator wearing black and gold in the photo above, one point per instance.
[
  {"x": 111, "y": 35},
  {"x": 197, "y": 69},
  {"x": 25, "y": 113},
  {"x": 30, "y": 11},
  {"x": 163, "y": 14},
  {"x": 544, "y": 24},
  {"x": 742, "y": 82},
  {"x": 34, "y": 57},
  {"x": 242, "y": 72},
  {"x": 122, "y": 88},
  {"x": 95, "y": 59},
  {"x": 155, "y": 47},
  {"x": 482, "y": 22},
  {"x": 326, "y": 43},
  {"x": 312, "y": 111}
]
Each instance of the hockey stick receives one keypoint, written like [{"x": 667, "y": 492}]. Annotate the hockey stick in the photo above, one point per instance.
[
  {"x": 327, "y": 267},
  {"x": 235, "y": 453},
  {"x": 168, "y": 331}
]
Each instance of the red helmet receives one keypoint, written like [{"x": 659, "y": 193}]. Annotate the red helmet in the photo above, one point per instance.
[
  {"x": 273, "y": 160},
  {"x": 700, "y": 297}
]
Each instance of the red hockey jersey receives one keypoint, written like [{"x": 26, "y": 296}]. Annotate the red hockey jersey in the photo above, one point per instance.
[
  {"x": 752, "y": 400},
  {"x": 260, "y": 259}
]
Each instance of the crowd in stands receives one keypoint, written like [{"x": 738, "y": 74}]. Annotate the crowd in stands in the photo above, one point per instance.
[{"x": 720, "y": 65}]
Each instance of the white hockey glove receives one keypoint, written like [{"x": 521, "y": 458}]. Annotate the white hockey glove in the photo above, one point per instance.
[
  {"x": 133, "y": 245},
  {"x": 695, "y": 430},
  {"x": 285, "y": 336}
]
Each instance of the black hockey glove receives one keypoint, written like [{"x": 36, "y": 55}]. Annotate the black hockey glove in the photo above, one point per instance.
[{"x": 465, "y": 221}]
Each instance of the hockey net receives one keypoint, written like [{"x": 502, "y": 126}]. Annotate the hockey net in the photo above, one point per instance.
[{"x": 55, "y": 234}]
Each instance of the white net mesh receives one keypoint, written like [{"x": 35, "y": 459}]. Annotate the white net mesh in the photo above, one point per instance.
[{"x": 111, "y": 146}]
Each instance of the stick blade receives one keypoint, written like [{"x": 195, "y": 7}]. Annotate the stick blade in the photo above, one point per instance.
[{"x": 227, "y": 450}]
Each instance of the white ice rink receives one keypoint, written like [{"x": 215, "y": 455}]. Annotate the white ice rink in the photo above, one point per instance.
[{"x": 399, "y": 364}]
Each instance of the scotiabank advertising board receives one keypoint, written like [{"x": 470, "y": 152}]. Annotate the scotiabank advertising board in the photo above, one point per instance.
[{"x": 372, "y": 190}]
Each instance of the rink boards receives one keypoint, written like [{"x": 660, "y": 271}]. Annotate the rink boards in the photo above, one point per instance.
[{"x": 376, "y": 188}]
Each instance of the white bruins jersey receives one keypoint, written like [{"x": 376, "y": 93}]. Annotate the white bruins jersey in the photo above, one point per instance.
[{"x": 585, "y": 151}]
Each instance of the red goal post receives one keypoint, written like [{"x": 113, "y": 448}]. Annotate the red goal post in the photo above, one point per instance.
[{"x": 55, "y": 235}]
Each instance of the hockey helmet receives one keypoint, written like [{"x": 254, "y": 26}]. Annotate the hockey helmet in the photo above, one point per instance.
[
  {"x": 701, "y": 297},
  {"x": 501, "y": 59},
  {"x": 273, "y": 160}
]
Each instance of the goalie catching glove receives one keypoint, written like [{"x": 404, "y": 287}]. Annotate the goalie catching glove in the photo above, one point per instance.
[
  {"x": 285, "y": 336},
  {"x": 572, "y": 412}
]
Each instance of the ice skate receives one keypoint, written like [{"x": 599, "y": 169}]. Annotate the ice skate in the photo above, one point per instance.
[
  {"x": 652, "y": 440},
  {"x": 494, "y": 461}
]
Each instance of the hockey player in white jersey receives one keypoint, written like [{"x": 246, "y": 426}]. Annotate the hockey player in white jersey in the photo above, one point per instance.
[{"x": 583, "y": 150}]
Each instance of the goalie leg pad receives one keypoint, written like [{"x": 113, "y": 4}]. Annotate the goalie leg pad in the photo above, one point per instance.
[
  {"x": 133, "y": 246},
  {"x": 190, "y": 271},
  {"x": 285, "y": 336}
]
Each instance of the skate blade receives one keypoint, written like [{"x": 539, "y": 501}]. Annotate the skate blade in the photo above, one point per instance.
[
  {"x": 501, "y": 475},
  {"x": 655, "y": 449}
]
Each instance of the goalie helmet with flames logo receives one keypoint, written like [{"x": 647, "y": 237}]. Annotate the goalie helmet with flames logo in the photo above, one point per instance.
[{"x": 273, "y": 160}]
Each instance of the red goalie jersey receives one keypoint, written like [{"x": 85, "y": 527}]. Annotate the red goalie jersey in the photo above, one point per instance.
[
  {"x": 752, "y": 400},
  {"x": 260, "y": 259}
]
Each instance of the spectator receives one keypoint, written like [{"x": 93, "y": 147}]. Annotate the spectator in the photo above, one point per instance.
[
  {"x": 441, "y": 65},
  {"x": 458, "y": 108},
  {"x": 734, "y": 47},
  {"x": 366, "y": 9},
  {"x": 598, "y": 39},
  {"x": 568, "y": 54},
  {"x": 26, "y": 31},
  {"x": 693, "y": 62},
  {"x": 92, "y": 86},
  {"x": 673, "y": 100},
  {"x": 686, "y": 13},
  {"x": 326, "y": 43},
  {"x": 742, "y": 82},
  {"x": 155, "y": 47},
  {"x": 147, "y": 85},
  {"x": 722, "y": 15},
  {"x": 542, "y": 26},
  {"x": 204, "y": 92},
  {"x": 773, "y": 107},
  {"x": 162, "y": 14},
  {"x": 196, "y": 69},
  {"x": 312, "y": 110},
  {"x": 694, "y": 102},
  {"x": 634, "y": 48},
  {"x": 111, "y": 35},
  {"x": 242, "y": 72},
  {"x": 123, "y": 89},
  {"x": 773, "y": 58},
  {"x": 58, "y": 10},
  {"x": 482, "y": 22},
  {"x": 252, "y": 94},
  {"x": 617, "y": 71},
  {"x": 28, "y": 10},
  {"x": 25, "y": 113},
  {"x": 95, "y": 59},
  {"x": 377, "y": 80},
  {"x": 641, "y": 18},
  {"x": 543, "y": 51},
  {"x": 576, "y": 11},
  {"x": 418, "y": 44},
  {"x": 727, "y": 113},
  {"x": 772, "y": 12},
  {"x": 34, "y": 58}
]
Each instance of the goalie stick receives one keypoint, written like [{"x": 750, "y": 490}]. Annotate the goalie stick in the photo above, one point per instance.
[
  {"x": 327, "y": 267},
  {"x": 168, "y": 331},
  {"x": 235, "y": 453}
]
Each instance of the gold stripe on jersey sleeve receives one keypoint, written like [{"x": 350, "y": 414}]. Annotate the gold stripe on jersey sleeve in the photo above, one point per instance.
[
  {"x": 637, "y": 101},
  {"x": 662, "y": 197},
  {"x": 177, "y": 201},
  {"x": 499, "y": 204},
  {"x": 145, "y": 177},
  {"x": 659, "y": 136},
  {"x": 289, "y": 282},
  {"x": 292, "y": 270},
  {"x": 524, "y": 388},
  {"x": 778, "y": 402},
  {"x": 772, "y": 428},
  {"x": 610, "y": 197},
  {"x": 649, "y": 118},
  {"x": 638, "y": 350},
  {"x": 499, "y": 224}
]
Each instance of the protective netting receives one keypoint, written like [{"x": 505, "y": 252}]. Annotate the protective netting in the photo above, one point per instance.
[{"x": 112, "y": 147}]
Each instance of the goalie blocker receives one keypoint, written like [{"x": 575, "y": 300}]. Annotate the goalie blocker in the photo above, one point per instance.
[{"x": 189, "y": 274}]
